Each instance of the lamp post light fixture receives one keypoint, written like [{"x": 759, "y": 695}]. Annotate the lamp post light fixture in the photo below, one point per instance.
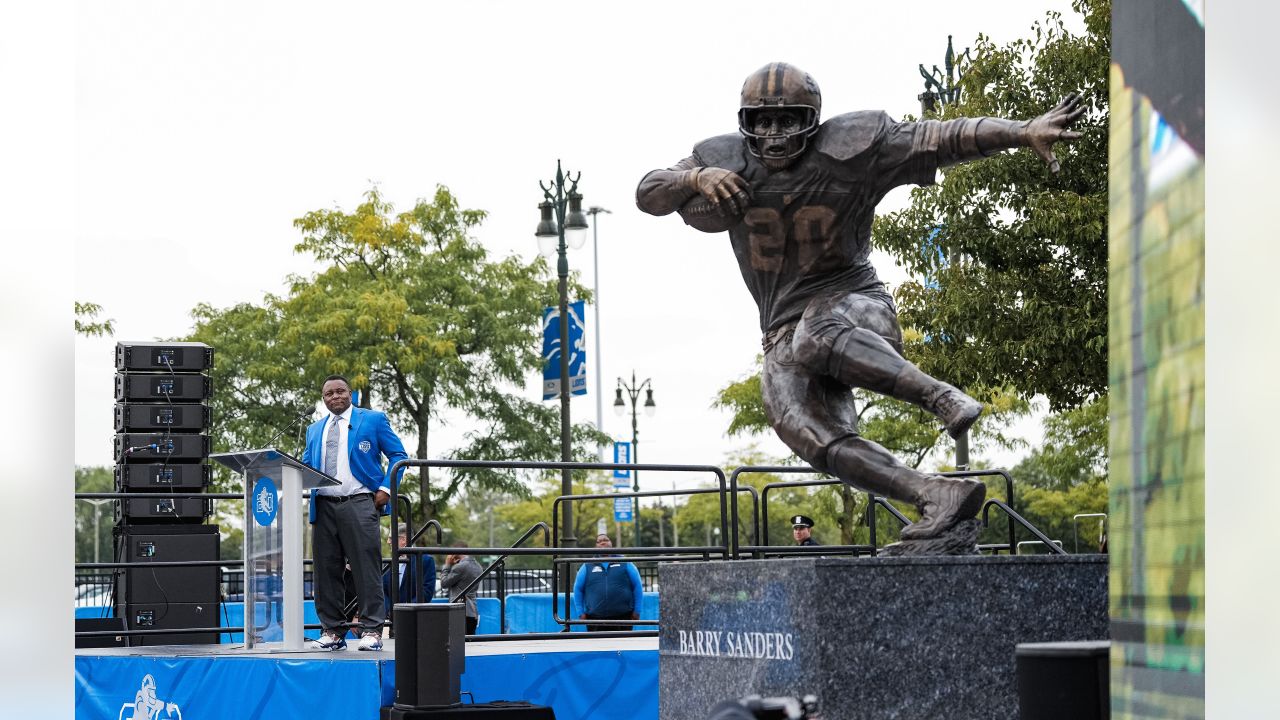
[
  {"x": 633, "y": 393},
  {"x": 566, "y": 229}
]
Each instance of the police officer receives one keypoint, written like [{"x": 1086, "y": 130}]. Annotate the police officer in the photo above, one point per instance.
[{"x": 802, "y": 530}]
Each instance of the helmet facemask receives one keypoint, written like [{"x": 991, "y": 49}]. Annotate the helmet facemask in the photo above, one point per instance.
[
  {"x": 780, "y": 147},
  {"x": 779, "y": 88}
]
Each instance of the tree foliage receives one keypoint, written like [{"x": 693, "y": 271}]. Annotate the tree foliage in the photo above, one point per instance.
[
  {"x": 413, "y": 311},
  {"x": 92, "y": 480},
  {"x": 87, "y": 322},
  {"x": 1012, "y": 288},
  {"x": 1074, "y": 450}
]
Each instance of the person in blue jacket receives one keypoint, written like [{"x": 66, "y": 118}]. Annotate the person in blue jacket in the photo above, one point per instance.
[
  {"x": 417, "y": 575},
  {"x": 349, "y": 444},
  {"x": 608, "y": 590}
]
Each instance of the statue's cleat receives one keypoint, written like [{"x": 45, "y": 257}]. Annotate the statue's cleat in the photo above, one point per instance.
[
  {"x": 956, "y": 410},
  {"x": 943, "y": 502}
]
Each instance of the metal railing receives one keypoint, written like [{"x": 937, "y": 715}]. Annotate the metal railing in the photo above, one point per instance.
[
  {"x": 1075, "y": 528},
  {"x": 872, "y": 547},
  {"x": 562, "y": 559}
]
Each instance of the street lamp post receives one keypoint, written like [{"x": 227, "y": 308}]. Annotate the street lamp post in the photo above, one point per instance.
[
  {"x": 97, "y": 504},
  {"x": 633, "y": 392},
  {"x": 594, "y": 212},
  {"x": 569, "y": 221}
]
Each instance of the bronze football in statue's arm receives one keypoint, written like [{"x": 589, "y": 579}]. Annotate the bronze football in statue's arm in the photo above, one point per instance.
[{"x": 700, "y": 214}]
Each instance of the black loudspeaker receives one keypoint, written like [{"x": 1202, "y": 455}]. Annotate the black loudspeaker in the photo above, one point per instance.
[
  {"x": 162, "y": 476},
  {"x": 161, "y": 416},
  {"x": 165, "y": 616},
  {"x": 430, "y": 653},
  {"x": 168, "y": 597},
  {"x": 154, "y": 387},
  {"x": 172, "y": 356},
  {"x": 167, "y": 447},
  {"x": 1064, "y": 680},
  {"x": 162, "y": 510},
  {"x": 99, "y": 625}
]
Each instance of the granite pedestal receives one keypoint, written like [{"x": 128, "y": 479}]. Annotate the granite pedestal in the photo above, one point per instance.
[{"x": 906, "y": 637}]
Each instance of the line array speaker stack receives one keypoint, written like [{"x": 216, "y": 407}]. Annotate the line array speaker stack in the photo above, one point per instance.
[{"x": 162, "y": 445}]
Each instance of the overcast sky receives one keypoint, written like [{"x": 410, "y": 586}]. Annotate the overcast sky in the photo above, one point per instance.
[{"x": 203, "y": 130}]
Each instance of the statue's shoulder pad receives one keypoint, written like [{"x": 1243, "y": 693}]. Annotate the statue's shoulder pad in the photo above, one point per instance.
[
  {"x": 723, "y": 151},
  {"x": 845, "y": 137}
]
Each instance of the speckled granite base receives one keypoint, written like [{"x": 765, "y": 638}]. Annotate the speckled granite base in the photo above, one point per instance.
[{"x": 909, "y": 637}]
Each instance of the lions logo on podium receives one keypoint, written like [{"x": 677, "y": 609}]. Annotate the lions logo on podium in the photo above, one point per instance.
[{"x": 264, "y": 501}]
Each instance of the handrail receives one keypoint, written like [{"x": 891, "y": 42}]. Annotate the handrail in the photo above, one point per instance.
[
  {"x": 1057, "y": 543},
  {"x": 546, "y": 542},
  {"x": 1075, "y": 528},
  {"x": 884, "y": 503},
  {"x": 1013, "y": 548}
]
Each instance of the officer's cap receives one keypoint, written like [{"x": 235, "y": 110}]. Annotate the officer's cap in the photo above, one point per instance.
[{"x": 801, "y": 521}]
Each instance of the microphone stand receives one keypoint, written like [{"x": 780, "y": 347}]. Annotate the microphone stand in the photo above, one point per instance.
[{"x": 292, "y": 425}]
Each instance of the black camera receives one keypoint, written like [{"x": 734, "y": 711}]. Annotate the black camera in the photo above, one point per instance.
[{"x": 754, "y": 707}]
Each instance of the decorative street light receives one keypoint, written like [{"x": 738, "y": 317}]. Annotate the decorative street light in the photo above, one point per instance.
[
  {"x": 97, "y": 504},
  {"x": 594, "y": 212},
  {"x": 557, "y": 234},
  {"x": 940, "y": 90},
  {"x": 633, "y": 392}
]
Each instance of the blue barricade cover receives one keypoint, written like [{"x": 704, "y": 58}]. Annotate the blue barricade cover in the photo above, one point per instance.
[
  {"x": 526, "y": 613},
  {"x": 577, "y": 685},
  {"x": 531, "y": 612},
  {"x": 226, "y": 688}
]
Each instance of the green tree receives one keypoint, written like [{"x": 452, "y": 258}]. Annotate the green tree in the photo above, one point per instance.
[
  {"x": 538, "y": 507},
  {"x": 1012, "y": 288},
  {"x": 410, "y": 307},
  {"x": 94, "y": 480},
  {"x": 1074, "y": 450},
  {"x": 87, "y": 322}
]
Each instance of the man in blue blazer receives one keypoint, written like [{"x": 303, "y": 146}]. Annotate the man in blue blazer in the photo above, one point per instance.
[
  {"x": 349, "y": 444},
  {"x": 417, "y": 575}
]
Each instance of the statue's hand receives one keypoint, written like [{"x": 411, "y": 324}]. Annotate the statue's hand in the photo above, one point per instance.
[
  {"x": 724, "y": 189},
  {"x": 1053, "y": 126}
]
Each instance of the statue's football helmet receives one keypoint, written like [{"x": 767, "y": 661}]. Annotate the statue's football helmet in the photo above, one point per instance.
[{"x": 779, "y": 86}]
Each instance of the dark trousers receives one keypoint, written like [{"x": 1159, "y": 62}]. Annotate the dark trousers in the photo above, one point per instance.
[
  {"x": 472, "y": 622},
  {"x": 347, "y": 532},
  {"x": 615, "y": 628}
]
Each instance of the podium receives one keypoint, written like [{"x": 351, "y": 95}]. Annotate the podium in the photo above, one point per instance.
[{"x": 273, "y": 570}]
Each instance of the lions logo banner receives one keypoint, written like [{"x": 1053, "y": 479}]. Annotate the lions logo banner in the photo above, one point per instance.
[{"x": 551, "y": 352}]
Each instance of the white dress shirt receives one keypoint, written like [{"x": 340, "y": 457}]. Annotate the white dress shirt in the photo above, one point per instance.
[{"x": 350, "y": 485}]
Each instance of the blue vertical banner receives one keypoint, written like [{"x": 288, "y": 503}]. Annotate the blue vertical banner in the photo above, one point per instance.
[
  {"x": 622, "y": 509},
  {"x": 621, "y": 456},
  {"x": 551, "y": 352}
]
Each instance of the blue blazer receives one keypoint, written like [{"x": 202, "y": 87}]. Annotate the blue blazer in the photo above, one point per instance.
[
  {"x": 421, "y": 573},
  {"x": 369, "y": 438}
]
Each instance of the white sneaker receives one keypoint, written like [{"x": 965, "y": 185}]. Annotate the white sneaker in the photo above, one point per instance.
[
  {"x": 371, "y": 641},
  {"x": 329, "y": 641}
]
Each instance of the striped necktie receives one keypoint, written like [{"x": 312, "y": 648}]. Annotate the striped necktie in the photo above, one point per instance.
[{"x": 331, "y": 446}]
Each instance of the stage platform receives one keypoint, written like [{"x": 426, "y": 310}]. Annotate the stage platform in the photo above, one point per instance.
[{"x": 579, "y": 678}]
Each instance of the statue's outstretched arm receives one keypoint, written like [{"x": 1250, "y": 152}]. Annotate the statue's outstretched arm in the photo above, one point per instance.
[{"x": 968, "y": 138}]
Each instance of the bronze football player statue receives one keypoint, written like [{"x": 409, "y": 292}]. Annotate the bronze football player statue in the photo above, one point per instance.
[{"x": 797, "y": 198}]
